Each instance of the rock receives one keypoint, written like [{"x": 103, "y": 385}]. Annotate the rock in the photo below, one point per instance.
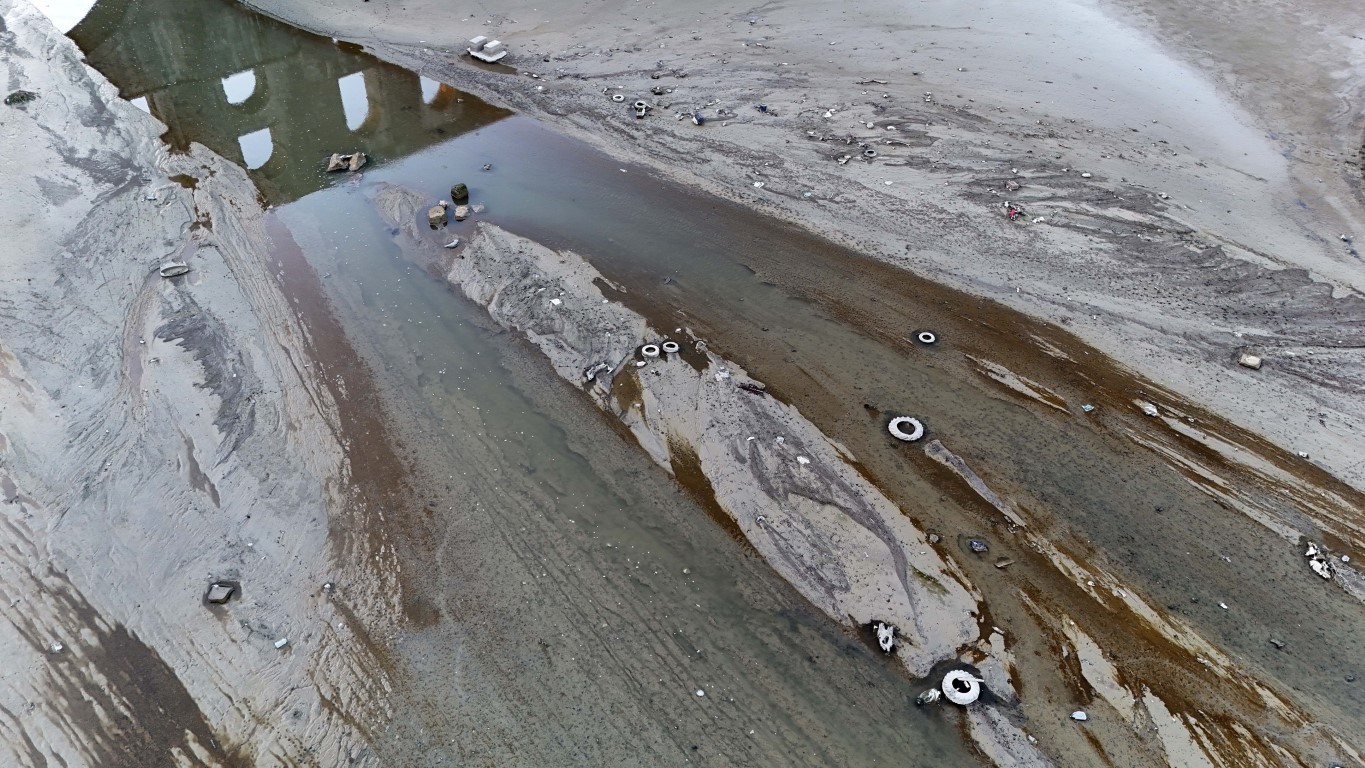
[
  {"x": 459, "y": 193},
  {"x": 1012, "y": 186},
  {"x": 1079, "y": 715},
  {"x": 356, "y": 162},
  {"x": 220, "y": 593},
  {"x": 337, "y": 163},
  {"x": 174, "y": 269},
  {"x": 436, "y": 215},
  {"x": 461, "y": 212},
  {"x": 20, "y": 97},
  {"x": 1251, "y": 361},
  {"x": 1279, "y": 644}
]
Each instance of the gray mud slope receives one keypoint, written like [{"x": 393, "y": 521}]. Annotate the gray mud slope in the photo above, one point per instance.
[{"x": 156, "y": 435}]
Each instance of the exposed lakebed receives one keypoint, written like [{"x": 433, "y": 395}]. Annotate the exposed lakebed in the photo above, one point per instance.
[{"x": 575, "y": 597}]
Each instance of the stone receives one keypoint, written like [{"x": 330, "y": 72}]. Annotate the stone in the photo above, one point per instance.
[
  {"x": 337, "y": 163},
  {"x": 1247, "y": 360},
  {"x": 461, "y": 212},
  {"x": 459, "y": 193},
  {"x": 220, "y": 593},
  {"x": 436, "y": 215},
  {"x": 357, "y": 162}
]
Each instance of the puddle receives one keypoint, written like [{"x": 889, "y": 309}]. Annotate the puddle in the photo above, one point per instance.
[{"x": 539, "y": 480}]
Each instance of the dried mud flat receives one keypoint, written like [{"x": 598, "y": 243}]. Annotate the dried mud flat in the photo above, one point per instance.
[{"x": 159, "y": 435}]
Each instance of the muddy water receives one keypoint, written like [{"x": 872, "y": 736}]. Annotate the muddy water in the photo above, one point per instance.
[{"x": 575, "y": 600}]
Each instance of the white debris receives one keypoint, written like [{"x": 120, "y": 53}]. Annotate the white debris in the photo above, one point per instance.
[
  {"x": 886, "y": 636},
  {"x": 1319, "y": 562},
  {"x": 1249, "y": 361},
  {"x": 1080, "y": 716},
  {"x": 802, "y": 460},
  {"x": 556, "y": 302},
  {"x": 700, "y": 692},
  {"x": 282, "y": 642},
  {"x": 1148, "y": 408}
]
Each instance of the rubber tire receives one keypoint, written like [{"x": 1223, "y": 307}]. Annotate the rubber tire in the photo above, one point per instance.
[
  {"x": 650, "y": 350},
  {"x": 926, "y": 337},
  {"x": 895, "y": 429},
  {"x": 671, "y": 347}
]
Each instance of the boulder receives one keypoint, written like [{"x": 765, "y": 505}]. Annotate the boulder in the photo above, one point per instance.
[
  {"x": 357, "y": 161},
  {"x": 461, "y": 212},
  {"x": 436, "y": 216},
  {"x": 459, "y": 193}
]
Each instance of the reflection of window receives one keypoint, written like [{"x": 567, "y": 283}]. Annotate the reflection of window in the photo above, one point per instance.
[
  {"x": 239, "y": 87},
  {"x": 429, "y": 89},
  {"x": 353, "y": 99},
  {"x": 256, "y": 148}
]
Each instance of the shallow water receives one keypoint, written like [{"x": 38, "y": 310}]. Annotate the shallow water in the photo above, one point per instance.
[{"x": 555, "y": 517}]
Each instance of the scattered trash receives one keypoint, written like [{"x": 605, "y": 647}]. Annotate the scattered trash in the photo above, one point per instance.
[
  {"x": 590, "y": 373},
  {"x": 961, "y": 688},
  {"x": 700, "y": 692},
  {"x": 1080, "y": 716},
  {"x": 1279, "y": 644},
  {"x": 556, "y": 302},
  {"x": 174, "y": 269},
  {"x": 671, "y": 347},
  {"x": 20, "y": 97},
  {"x": 763, "y": 108},
  {"x": 753, "y": 387},
  {"x": 1012, "y": 211},
  {"x": 870, "y": 82},
  {"x": 1148, "y": 408},
  {"x": 1012, "y": 186},
  {"x": 1248, "y": 360},
  {"x": 488, "y": 166},
  {"x": 758, "y": 184},
  {"x": 1085, "y": 175},
  {"x": 452, "y": 244},
  {"x": 928, "y": 697},
  {"x": 641, "y": 109},
  {"x": 1224, "y": 606},
  {"x": 461, "y": 212},
  {"x": 639, "y": 363},
  {"x": 925, "y": 337},
  {"x": 220, "y": 593},
  {"x": 802, "y": 460},
  {"x": 978, "y": 546},
  {"x": 436, "y": 214},
  {"x": 1087, "y": 407},
  {"x": 459, "y": 193},
  {"x": 487, "y": 50},
  {"x": 1004, "y": 562},
  {"x": 618, "y": 98},
  {"x": 934, "y": 538},
  {"x": 897, "y": 428},
  {"x": 886, "y": 636},
  {"x": 1318, "y": 562},
  {"x": 282, "y": 642},
  {"x": 328, "y": 586}
]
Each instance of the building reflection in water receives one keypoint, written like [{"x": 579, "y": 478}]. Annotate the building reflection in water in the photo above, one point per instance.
[{"x": 274, "y": 99}]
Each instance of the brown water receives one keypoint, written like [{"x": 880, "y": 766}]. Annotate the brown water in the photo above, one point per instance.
[{"x": 568, "y": 624}]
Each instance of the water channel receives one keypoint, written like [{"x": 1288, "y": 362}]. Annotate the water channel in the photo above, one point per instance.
[{"x": 586, "y": 599}]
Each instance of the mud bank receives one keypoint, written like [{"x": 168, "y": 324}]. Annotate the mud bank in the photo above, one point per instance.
[
  {"x": 1171, "y": 245},
  {"x": 688, "y": 412},
  {"x": 159, "y": 435}
]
